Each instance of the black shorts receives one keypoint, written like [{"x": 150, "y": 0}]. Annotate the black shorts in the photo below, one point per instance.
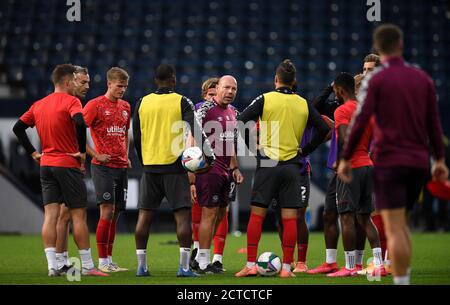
[
  {"x": 63, "y": 185},
  {"x": 330, "y": 199},
  {"x": 110, "y": 184},
  {"x": 304, "y": 191},
  {"x": 280, "y": 183},
  {"x": 397, "y": 187},
  {"x": 356, "y": 196},
  {"x": 154, "y": 187}
]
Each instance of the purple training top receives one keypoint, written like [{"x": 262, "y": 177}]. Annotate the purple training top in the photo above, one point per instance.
[
  {"x": 403, "y": 100},
  {"x": 306, "y": 161},
  {"x": 199, "y": 104},
  {"x": 219, "y": 125},
  {"x": 332, "y": 155}
]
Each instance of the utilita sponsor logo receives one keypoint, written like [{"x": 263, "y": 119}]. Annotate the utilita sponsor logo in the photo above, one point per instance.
[
  {"x": 116, "y": 130},
  {"x": 227, "y": 136}
]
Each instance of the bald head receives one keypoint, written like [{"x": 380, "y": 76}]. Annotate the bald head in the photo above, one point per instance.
[
  {"x": 228, "y": 78},
  {"x": 226, "y": 90}
]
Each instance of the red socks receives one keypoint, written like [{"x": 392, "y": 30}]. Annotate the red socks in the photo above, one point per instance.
[
  {"x": 105, "y": 235},
  {"x": 302, "y": 249},
  {"x": 289, "y": 239},
  {"x": 221, "y": 235},
  {"x": 196, "y": 217},
  {"x": 378, "y": 222},
  {"x": 102, "y": 236},
  {"x": 254, "y": 229},
  {"x": 112, "y": 236}
]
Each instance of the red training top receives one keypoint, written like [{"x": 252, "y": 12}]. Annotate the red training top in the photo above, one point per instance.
[
  {"x": 52, "y": 117},
  {"x": 343, "y": 115},
  {"x": 109, "y": 122}
]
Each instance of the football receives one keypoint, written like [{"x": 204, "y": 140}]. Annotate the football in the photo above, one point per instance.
[
  {"x": 269, "y": 264},
  {"x": 192, "y": 160}
]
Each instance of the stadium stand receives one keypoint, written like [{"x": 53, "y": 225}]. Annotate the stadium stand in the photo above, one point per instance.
[{"x": 207, "y": 38}]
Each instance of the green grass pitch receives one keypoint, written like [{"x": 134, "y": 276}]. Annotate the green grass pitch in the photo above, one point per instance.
[{"x": 22, "y": 261}]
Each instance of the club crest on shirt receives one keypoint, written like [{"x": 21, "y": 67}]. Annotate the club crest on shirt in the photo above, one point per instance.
[
  {"x": 106, "y": 195},
  {"x": 215, "y": 198},
  {"x": 125, "y": 114},
  {"x": 107, "y": 112}
]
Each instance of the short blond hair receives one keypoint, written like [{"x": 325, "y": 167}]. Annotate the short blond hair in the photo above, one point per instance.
[
  {"x": 116, "y": 73},
  {"x": 208, "y": 84}
]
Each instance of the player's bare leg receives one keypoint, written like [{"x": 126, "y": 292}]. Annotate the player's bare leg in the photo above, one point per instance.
[
  {"x": 331, "y": 230},
  {"x": 208, "y": 226},
  {"x": 81, "y": 237},
  {"x": 349, "y": 242},
  {"x": 183, "y": 221},
  {"x": 184, "y": 235},
  {"x": 331, "y": 234},
  {"x": 62, "y": 239},
  {"x": 348, "y": 231},
  {"x": 80, "y": 229},
  {"x": 143, "y": 224},
  {"x": 360, "y": 245},
  {"x": 51, "y": 213},
  {"x": 371, "y": 232},
  {"x": 398, "y": 243}
]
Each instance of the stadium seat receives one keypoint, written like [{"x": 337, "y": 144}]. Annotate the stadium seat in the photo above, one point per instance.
[{"x": 244, "y": 38}]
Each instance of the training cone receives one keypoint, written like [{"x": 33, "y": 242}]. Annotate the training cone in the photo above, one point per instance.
[{"x": 440, "y": 189}]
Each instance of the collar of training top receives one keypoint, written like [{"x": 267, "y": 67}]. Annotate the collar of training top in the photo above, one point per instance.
[
  {"x": 164, "y": 90},
  {"x": 395, "y": 60},
  {"x": 285, "y": 90}
]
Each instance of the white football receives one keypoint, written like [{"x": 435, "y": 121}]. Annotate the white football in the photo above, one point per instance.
[
  {"x": 269, "y": 264},
  {"x": 192, "y": 159}
]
